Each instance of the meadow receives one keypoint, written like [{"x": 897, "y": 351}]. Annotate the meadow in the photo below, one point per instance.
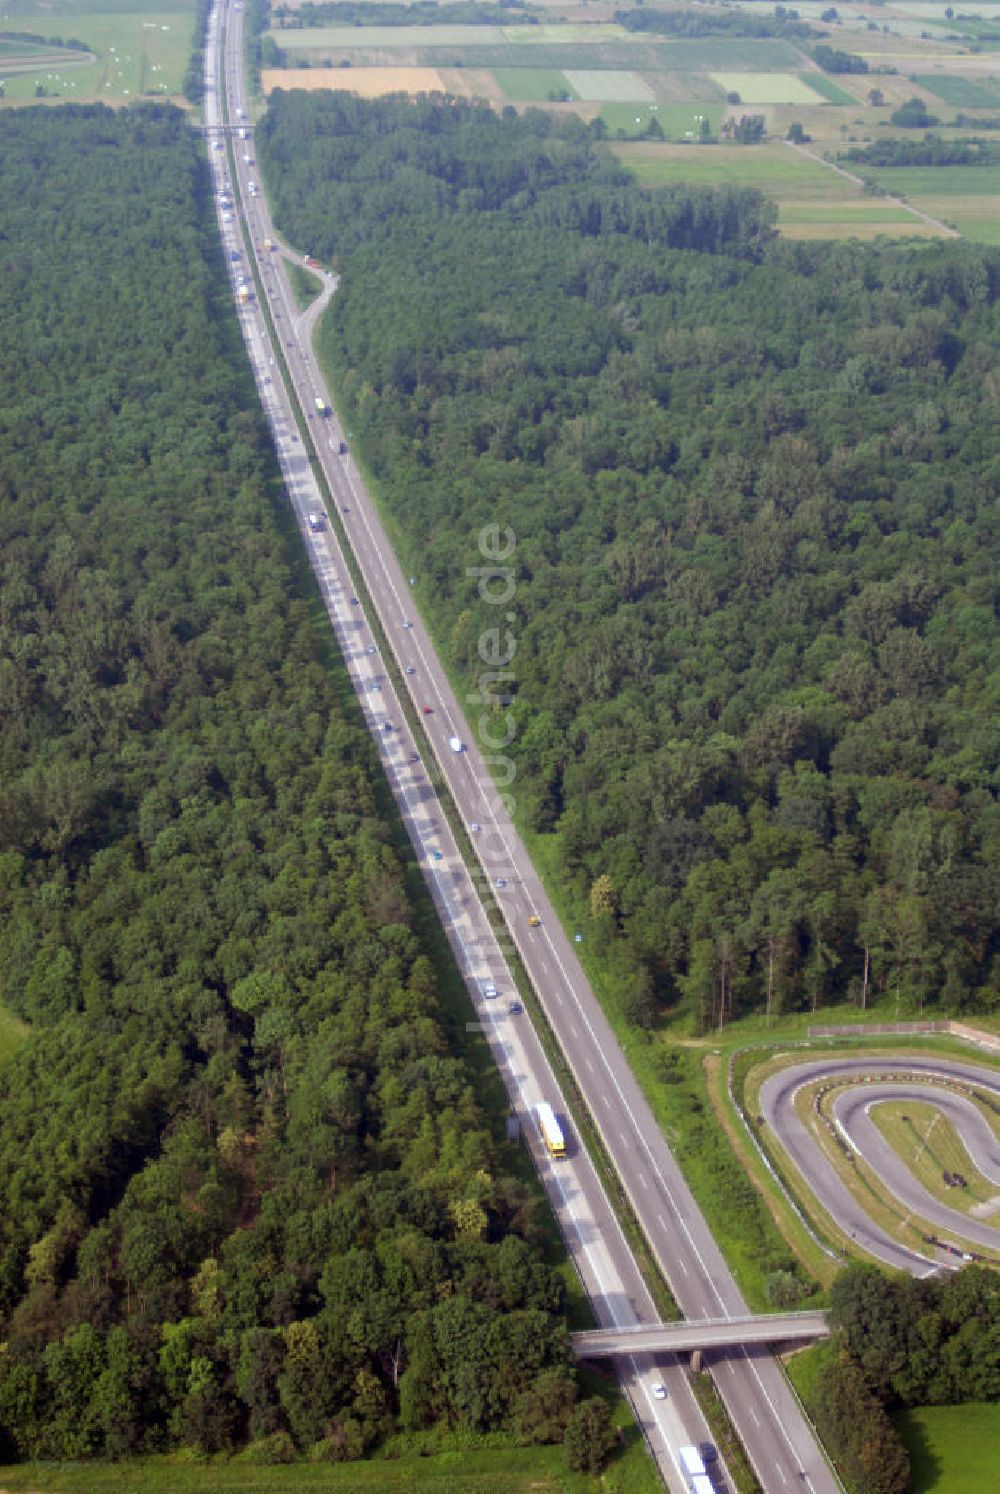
[
  {"x": 813, "y": 201},
  {"x": 952, "y": 1447},
  {"x": 965, "y": 197},
  {"x": 962, "y": 92},
  {"x": 529, "y": 85}
]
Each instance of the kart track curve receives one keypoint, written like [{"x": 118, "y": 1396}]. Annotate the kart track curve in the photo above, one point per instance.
[{"x": 938, "y": 1081}]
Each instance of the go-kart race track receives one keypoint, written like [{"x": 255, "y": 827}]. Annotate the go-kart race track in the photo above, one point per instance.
[{"x": 931, "y": 1081}]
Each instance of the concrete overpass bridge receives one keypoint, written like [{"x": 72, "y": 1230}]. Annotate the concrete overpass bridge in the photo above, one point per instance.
[{"x": 700, "y": 1335}]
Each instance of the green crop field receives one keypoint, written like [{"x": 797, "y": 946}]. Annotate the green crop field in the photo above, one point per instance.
[
  {"x": 619, "y": 55},
  {"x": 774, "y": 169},
  {"x": 832, "y": 92},
  {"x": 813, "y": 202},
  {"x": 143, "y": 52},
  {"x": 952, "y": 1448},
  {"x": 532, "y": 35},
  {"x": 767, "y": 88},
  {"x": 685, "y": 88},
  {"x": 940, "y": 181},
  {"x": 607, "y": 85},
  {"x": 962, "y": 93},
  {"x": 528, "y": 85},
  {"x": 340, "y": 38},
  {"x": 722, "y": 53}
]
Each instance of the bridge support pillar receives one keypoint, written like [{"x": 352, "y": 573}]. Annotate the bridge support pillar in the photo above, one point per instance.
[{"x": 696, "y": 1361}]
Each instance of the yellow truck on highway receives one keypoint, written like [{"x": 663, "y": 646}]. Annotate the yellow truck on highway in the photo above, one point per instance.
[{"x": 555, "y": 1141}]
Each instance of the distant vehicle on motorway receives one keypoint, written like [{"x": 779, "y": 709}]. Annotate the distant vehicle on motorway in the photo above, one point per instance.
[
  {"x": 534, "y": 921},
  {"x": 515, "y": 1008},
  {"x": 427, "y": 710},
  {"x": 489, "y": 990},
  {"x": 708, "y": 1453},
  {"x": 659, "y": 1391},
  {"x": 474, "y": 828},
  {"x": 501, "y": 882},
  {"x": 317, "y": 521},
  {"x": 342, "y": 448},
  {"x": 456, "y": 744},
  {"x": 409, "y": 669}
]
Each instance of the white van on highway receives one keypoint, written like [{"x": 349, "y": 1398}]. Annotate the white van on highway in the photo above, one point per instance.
[{"x": 456, "y": 744}]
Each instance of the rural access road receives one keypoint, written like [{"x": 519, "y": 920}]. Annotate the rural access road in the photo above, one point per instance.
[
  {"x": 859, "y": 181},
  {"x": 886, "y": 1078},
  {"x": 759, "y": 1399}
]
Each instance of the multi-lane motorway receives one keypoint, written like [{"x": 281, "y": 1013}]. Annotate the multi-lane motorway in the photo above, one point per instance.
[
  {"x": 885, "y": 1079},
  {"x": 777, "y": 1438}
]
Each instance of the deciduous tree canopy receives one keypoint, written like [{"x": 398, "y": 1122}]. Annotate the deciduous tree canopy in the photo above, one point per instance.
[
  {"x": 245, "y": 1190},
  {"x": 753, "y": 489}
]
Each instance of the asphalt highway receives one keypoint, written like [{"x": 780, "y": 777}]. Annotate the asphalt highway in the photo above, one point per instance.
[
  {"x": 911, "y": 1078},
  {"x": 604, "y": 1260},
  {"x": 759, "y": 1400}
]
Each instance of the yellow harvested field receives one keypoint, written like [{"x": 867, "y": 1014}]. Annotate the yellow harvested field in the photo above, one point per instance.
[
  {"x": 369, "y": 82},
  {"x": 469, "y": 83}
]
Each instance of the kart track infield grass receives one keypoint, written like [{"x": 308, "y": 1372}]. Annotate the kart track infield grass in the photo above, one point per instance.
[
  {"x": 143, "y": 52},
  {"x": 929, "y": 1145},
  {"x": 952, "y": 1448}
]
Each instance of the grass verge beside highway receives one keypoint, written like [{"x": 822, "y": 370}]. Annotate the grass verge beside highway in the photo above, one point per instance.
[
  {"x": 480, "y": 1466},
  {"x": 952, "y": 1448}
]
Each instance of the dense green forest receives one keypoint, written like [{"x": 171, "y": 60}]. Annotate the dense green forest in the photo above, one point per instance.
[
  {"x": 930, "y": 151},
  {"x": 699, "y": 22},
  {"x": 246, "y": 1192},
  {"x": 752, "y": 667},
  {"x": 900, "y": 1342}
]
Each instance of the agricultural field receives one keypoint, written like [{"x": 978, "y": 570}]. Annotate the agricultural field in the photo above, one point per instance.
[
  {"x": 835, "y": 93},
  {"x": 962, "y": 92},
  {"x": 767, "y": 88},
  {"x": 813, "y": 201},
  {"x": 677, "y": 121},
  {"x": 343, "y": 38},
  {"x": 965, "y": 197},
  {"x": 369, "y": 82},
  {"x": 529, "y": 85},
  {"x": 608, "y": 86},
  {"x": 140, "y": 53}
]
